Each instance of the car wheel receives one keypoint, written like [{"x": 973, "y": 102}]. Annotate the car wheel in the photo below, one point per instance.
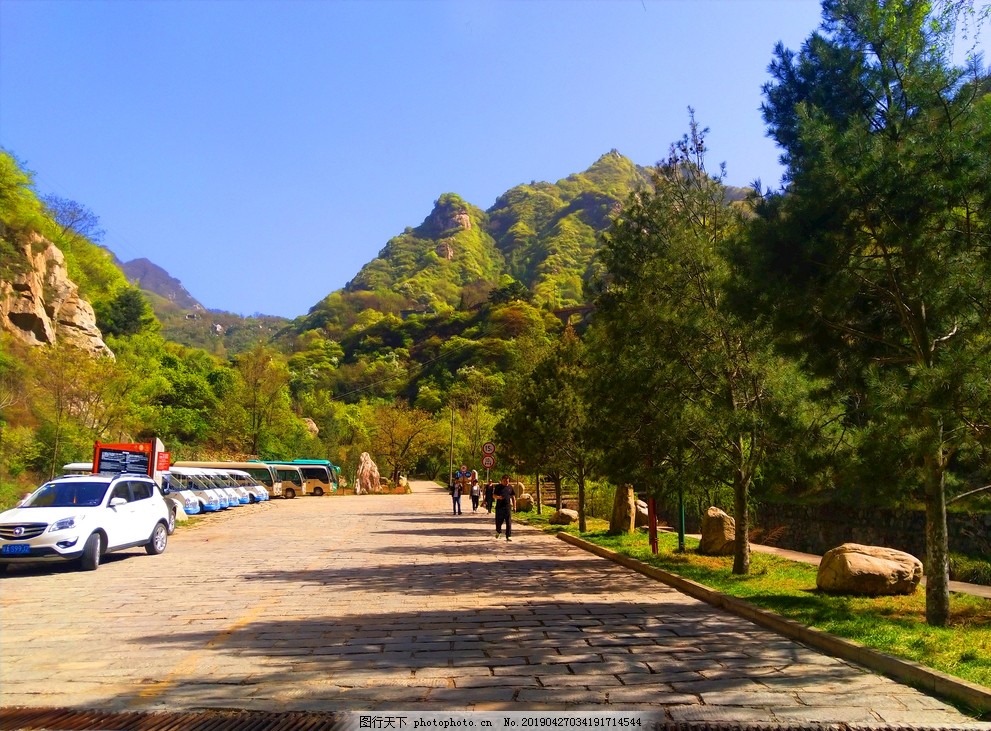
[
  {"x": 159, "y": 539},
  {"x": 318, "y": 492},
  {"x": 172, "y": 515},
  {"x": 92, "y": 551},
  {"x": 288, "y": 493}
]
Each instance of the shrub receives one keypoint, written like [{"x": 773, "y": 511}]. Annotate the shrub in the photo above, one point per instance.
[{"x": 970, "y": 570}]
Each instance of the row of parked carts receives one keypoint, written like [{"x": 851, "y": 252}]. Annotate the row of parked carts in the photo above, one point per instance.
[
  {"x": 208, "y": 487},
  {"x": 207, "y": 490}
]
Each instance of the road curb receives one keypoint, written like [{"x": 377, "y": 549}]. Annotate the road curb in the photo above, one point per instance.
[{"x": 931, "y": 681}]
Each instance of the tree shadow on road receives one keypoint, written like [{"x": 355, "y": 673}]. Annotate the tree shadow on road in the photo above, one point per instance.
[
  {"x": 460, "y": 571},
  {"x": 576, "y": 651}
]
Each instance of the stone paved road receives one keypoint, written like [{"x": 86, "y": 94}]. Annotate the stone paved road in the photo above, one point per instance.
[{"x": 390, "y": 602}]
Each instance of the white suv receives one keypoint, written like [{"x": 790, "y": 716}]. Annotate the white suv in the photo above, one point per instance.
[{"x": 84, "y": 517}]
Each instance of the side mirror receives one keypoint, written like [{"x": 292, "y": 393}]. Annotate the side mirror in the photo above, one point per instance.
[{"x": 115, "y": 501}]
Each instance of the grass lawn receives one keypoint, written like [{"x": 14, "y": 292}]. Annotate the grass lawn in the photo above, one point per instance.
[{"x": 894, "y": 625}]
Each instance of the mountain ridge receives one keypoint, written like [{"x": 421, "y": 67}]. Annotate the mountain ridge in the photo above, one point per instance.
[
  {"x": 542, "y": 235},
  {"x": 150, "y": 277}
]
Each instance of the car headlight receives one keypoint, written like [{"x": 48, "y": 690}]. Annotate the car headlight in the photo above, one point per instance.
[{"x": 65, "y": 523}]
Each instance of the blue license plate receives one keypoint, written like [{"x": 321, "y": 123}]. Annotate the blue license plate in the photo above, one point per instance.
[{"x": 16, "y": 549}]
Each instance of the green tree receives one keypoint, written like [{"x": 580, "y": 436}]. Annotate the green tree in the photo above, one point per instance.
[
  {"x": 510, "y": 292},
  {"x": 61, "y": 375},
  {"x": 720, "y": 398},
  {"x": 19, "y": 206},
  {"x": 553, "y": 411},
  {"x": 127, "y": 313},
  {"x": 12, "y": 387},
  {"x": 264, "y": 391},
  {"x": 526, "y": 437},
  {"x": 881, "y": 240},
  {"x": 401, "y": 436},
  {"x": 474, "y": 420}
]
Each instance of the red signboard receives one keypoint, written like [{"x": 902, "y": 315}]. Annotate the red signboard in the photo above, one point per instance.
[
  {"x": 163, "y": 461},
  {"x": 488, "y": 461}
]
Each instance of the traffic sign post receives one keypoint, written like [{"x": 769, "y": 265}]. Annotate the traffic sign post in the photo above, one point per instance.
[{"x": 488, "y": 458}]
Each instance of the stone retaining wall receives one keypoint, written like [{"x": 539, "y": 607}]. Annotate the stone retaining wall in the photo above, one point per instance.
[{"x": 816, "y": 529}]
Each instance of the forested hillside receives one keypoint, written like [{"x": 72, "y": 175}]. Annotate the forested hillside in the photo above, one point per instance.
[
  {"x": 542, "y": 236},
  {"x": 443, "y": 317}
]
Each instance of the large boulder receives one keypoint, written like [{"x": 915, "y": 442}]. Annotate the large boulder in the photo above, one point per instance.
[
  {"x": 624, "y": 511},
  {"x": 642, "y": 517},
  {"x": 564, "y": 517},
  {"x": 367, "y": 478},
  {"x": 718, "y": 533},
  {"x": 524, "y": 503},
  {"x": 869, "y": 570}
]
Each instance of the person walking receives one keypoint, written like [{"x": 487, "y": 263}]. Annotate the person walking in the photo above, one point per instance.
[
  {"x": 462, "y": 479},
  {"x": 505, "y": 504},
  {"x": 489, "y": 495},
  {"x": 456, "y": 490},
  {"x": 463, "y": 475},
  {"x": 476, "y": 493}
]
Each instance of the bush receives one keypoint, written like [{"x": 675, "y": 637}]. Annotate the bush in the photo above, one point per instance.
[
  {"x": 970, "y": 570},
  {"x": 599, "y": 498}
]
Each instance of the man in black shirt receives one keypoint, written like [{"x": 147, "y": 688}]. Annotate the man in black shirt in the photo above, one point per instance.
[
  {"x": 505, "y": 504},
  {"x": 489, "y": 495}
]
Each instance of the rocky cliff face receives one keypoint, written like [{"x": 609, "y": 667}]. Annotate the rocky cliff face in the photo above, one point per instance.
[{"x": 41, "y": 305}]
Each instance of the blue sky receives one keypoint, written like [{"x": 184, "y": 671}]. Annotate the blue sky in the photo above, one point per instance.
[{"x": 262, "y": 152}]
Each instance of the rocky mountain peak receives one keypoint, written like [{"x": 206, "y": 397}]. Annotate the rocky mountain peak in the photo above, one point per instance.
[{"x": 450, "y": 214}]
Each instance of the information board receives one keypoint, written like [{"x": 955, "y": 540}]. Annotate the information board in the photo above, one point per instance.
[
  {"x": 119, "y": 460},
  {"x": 115, "y": 458}
]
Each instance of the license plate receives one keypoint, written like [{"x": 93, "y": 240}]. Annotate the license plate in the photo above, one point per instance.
[{"x": 16, "y": 549}]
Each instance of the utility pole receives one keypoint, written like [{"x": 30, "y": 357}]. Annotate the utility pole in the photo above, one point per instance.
[{"x": 450, "y": 474}]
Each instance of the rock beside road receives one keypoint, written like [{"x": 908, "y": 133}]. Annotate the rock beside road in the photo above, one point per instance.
[{"x": 853, "y": 568}]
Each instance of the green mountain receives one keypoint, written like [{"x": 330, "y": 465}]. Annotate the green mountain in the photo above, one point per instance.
[
  {"x": 542, "y": 235},
  {"x": 547, "y": 233}
]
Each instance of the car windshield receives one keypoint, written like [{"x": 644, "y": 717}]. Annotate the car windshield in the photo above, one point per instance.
[{"x": 67, "y": 494}]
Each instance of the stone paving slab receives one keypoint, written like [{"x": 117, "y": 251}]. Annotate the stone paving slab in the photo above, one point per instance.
[{"x": 389, "y": 602}]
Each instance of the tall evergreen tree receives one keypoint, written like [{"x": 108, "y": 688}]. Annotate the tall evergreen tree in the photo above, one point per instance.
[
  {"x": 691, "y": 386},
  {"x": 548, "y": 425},
  {"x": 881, "y": 241}
]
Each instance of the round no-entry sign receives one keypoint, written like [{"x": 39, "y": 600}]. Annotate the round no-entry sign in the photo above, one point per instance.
[
  {"x": 488, "y": 448},
  {"x": 488, "y": 461}
]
